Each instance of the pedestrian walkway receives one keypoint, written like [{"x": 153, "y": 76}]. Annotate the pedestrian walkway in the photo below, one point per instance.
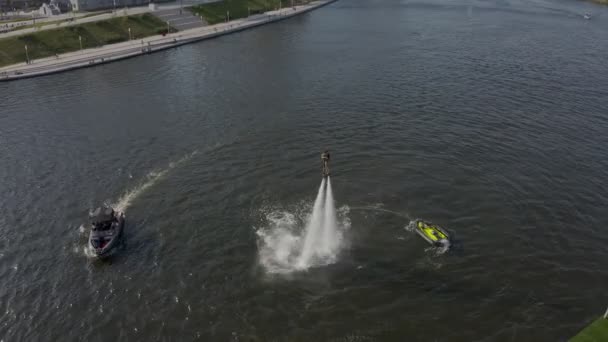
[
  {"x": 70, "y": 21},
  {"x": 114, "y": 52}
]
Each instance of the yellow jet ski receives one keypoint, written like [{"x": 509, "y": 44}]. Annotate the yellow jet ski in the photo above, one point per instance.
[{"x": 433, "y": 234}]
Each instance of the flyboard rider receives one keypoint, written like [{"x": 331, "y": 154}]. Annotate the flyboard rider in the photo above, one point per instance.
[{"x": 325, "y": 161}]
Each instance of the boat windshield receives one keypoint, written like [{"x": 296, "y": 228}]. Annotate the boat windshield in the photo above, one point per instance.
[
  {"x": 102, "y": 225},
  {"x": 101, "y": 214},
  {"x": 102, "y": 218}
]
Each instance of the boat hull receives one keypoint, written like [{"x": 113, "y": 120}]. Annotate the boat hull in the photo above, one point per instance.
[{"x": 102, "y": 243}]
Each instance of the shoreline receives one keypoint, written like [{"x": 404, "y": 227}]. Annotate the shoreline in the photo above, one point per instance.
[{"x": 119, "y": 51}]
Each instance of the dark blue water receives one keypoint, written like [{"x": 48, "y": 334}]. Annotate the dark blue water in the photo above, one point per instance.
[{"x": 486, "y": 117}]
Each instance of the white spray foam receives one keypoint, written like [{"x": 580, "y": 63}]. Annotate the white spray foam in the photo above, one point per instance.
[
  {"x": 444, "y": 248},
  {"x": 284, "y": 247},
  {"x": 331, "y": 236},
  {"x": 411, "y": 226},
  {"x": 279, "y": 243},
  {"x": 314, "y": 230},
  {"x": 88, "y": 252}
]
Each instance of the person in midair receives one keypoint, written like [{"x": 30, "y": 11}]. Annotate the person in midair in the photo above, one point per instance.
[{"x": 325, "y": 161}]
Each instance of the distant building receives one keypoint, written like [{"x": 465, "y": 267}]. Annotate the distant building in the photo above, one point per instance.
[
  {"x": 92, "y": 5},
  {"x": 11, "y": 5},
  {"x": 63, "y": 5},
  {"x": 49, "y": 10}
]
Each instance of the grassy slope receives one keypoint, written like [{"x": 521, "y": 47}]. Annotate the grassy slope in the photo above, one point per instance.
[
  {"x": 2, "y": 22},
  {"x": 56, "y": 22},
  {"x": 50, "y": 42},
  {"x": 215, "y": 12},
  {"x": 596, "y": 332}
]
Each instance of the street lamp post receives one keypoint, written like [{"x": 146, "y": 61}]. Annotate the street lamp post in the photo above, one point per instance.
[
  {"x": 80, "y": 41},
  {"x": 27, "y": 57},
  {"x": 130, "y": 33},
  {"x": 227, "y": 16},
  {"x": 168, "y": 27}
]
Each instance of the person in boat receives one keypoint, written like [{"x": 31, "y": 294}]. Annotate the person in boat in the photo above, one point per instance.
[
  {"x": 325, "y": 161},
  {"x": 103, "y": 218}
]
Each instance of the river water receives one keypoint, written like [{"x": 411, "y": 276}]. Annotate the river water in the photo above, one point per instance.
[{"x": 489, "y": 118}]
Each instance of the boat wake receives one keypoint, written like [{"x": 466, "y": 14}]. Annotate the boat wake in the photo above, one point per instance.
[
  {"x": 151, "y": 178},
  {"x": 411, "y": 226},
  {"x": 299, "y": 239},
  {"x": 438, "y": 250},
  {"x": 126, "y": 200},
  {"x": 378, "y": 208},
  {"x": 85, "y": 251}
]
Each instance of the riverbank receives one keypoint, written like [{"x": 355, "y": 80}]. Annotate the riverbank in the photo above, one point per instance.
[
  {"x": 69, "y": 39},
  {"x": 40, "y": 24},
  {"x": 595, "y": 332},
  {"x": 66, "y": 20},
  {"x": 114, "y": 52},
  {"x": 221, "y": 11}
]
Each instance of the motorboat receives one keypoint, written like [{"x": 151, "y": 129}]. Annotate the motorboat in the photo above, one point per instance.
[{"x": 106, "y": 228}]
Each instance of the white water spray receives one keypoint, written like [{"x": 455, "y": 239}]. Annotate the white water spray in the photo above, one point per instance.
[
  {"x": 128, "y": 197},
  {"x": 314, "y": 229},
  {"x": 330, "y": 237},
  {"x": 322, "y": 237},
  {"x": 285, "y": 247}
]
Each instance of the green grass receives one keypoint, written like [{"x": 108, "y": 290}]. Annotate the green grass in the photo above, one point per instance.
[
  {"x": 596, "y": 332},
  {"x": 39, "y": 25},
  {"x": 57, "y": 41},
  {"x": 57, "y": 22},
  {"x": 216, "y": 12},
  {"x": 2, "y": 22}
]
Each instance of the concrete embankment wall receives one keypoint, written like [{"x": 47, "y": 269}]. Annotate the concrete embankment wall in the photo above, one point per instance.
[{"x": 115, "y": 52}]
